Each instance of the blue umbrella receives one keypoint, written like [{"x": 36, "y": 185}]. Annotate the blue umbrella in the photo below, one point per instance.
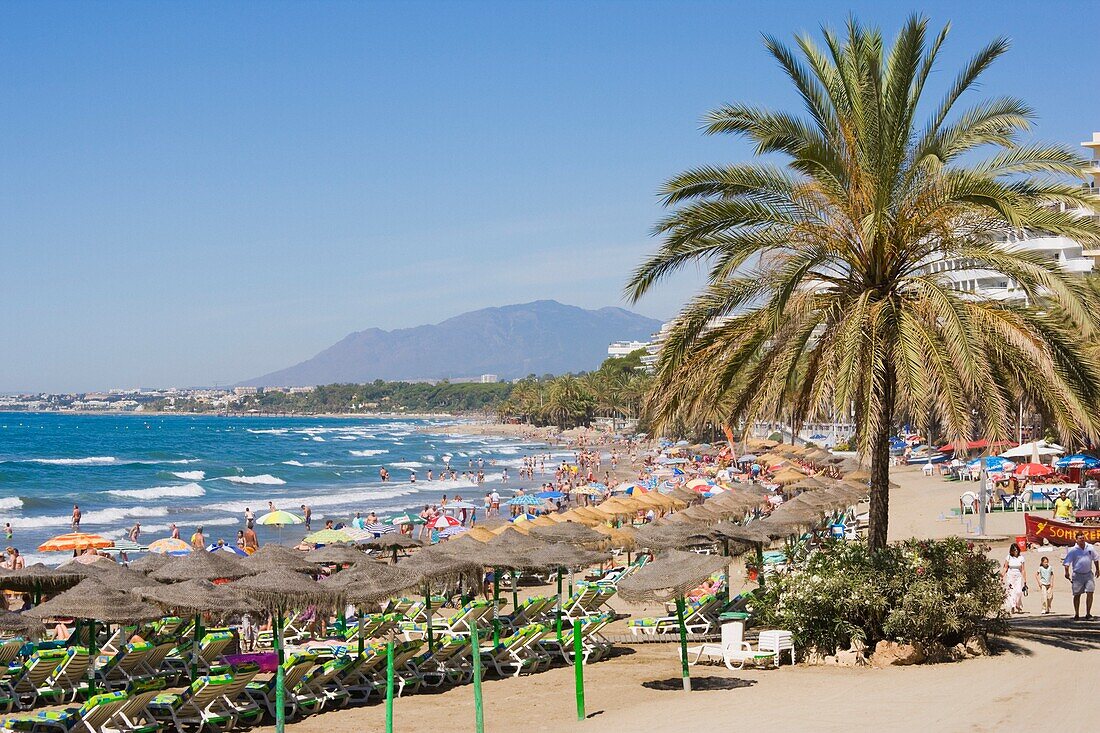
[
  {"x": 1077, "y": 460},
  {"x": 523, "y": 518},
  {"x": 226, "y": 548},
  {"x": 818, "y": 436},
  {"x": 993, "y": 463},
  {"x": 524, "y": 500},
  {"x": 378, "y": 528},
  {"x": 549, "y": 495}
]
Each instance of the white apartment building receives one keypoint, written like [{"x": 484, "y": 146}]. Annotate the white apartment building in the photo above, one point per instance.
[{"x": 619, "y": 349}]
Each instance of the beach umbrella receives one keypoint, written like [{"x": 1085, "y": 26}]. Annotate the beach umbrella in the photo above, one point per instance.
[
  {"x": 452, "y": 532},
  {"x": 747, "y": 458},
  {"x": 201, "y": 566},
  {"x": 327, "y": 537},
  {"x": 995, "y": 464},
  {"x": 231, "y": 549},
  {"x": 379, "y": 528},
  {"x": 74, "y": 541},
  {"x": 572, "y": 533},
  {"x": 36, "y": 578},
  {"x": 170, "y": 546},
  {"x": 442, "y": 521},
  {"x": 1032, "y": 470},
  {"x": 272, "y": 556},
  {"x": 673, "y": 536},
  {"x": 25, "y": 626},
  {"x": 110, "y": 573},
  {"x": 670, "y": 576},
  {"x": 149, "y": 563},
  {"x": 336, "y": 555},
  {"x": 809, "y": 483},
  {"x": 525, "y": 500},
  {"x": 403, "y": 519},
  {"x": 278, "y": 591},
  {"x": 459, "y": 505},
  {"x": 1077, "y": 460},
  {"x": 550, "y": 495},
  {"x": 278, "y": 518},
  {"x": 589, "y": 490},
  {"x": 92, "y": 601},
  {"x": 359, "y": 535},
  {"x": 394, "y": 542},
  {"x": 124, "y": 545}
]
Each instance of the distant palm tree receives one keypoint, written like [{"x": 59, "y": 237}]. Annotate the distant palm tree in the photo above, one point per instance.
[{"x": 821, "y": 298}]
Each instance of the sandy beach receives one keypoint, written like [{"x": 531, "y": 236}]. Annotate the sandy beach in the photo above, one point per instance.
[{"x": 1036, "y": 667}]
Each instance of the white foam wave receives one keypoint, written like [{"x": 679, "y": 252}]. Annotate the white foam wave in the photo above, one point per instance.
[
  {"x": 299, "y": 464},
  {"x": 11, "y": 502},
  {"x": 429, "y": 458},
  {"x": 90, "y": 461},
  {"x": 348, "y": 497},
  {"x": 161, "y": 492},
  {"x": 99, "y": 517},
  {"x": 367, "y": 453},
  {"x": 318, "y": 438},
  {"x": 190, "y": 475},
  {"x": 264, "y": 479},
  {"x": 408, "y": 464},
  {"x": 270, "y": 431}
]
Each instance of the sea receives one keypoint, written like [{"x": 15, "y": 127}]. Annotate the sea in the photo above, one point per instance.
[{"x": 206, "y": 470}]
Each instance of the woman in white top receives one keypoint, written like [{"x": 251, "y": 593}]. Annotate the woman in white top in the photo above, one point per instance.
[{"x": 1012, "y": 575}]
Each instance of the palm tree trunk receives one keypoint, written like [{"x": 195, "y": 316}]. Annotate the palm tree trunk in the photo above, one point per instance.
[{"x": 879, "y": 514}]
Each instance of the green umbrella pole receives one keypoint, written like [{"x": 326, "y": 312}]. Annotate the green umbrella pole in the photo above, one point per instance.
[
  {"x": 496, "y": 607},
  {"x": 195, "y": 647},
  {"x": 360, "y": 632},
  {"x": 557, "y": 609},
  {"x": 578, "y": 667},
  {"x": 428, "y": 612},
  {"x": 280, "y": 693},
  {"x": 515, "y": 587},
  {"x": 389, "y": 685},
  {"x": 570, "y": 581},
  {"x": 683, "y": 644},
  {"x": 92, "y": 651},
  {"x": 479, "y": 711}
]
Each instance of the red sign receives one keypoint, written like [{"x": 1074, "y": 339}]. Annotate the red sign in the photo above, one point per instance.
[{"x": 1057, "y": 532}]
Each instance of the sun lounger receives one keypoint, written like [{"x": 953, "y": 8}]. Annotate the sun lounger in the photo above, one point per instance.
[
  {"x": 87, "y": 718},
  {"x": 593, "y": 646},
  {"x": 699, "y": 618},
  {"x": 134, "y": 716},
  {"x": 450, "y": 662},
  {"x": 9, "y": 651},
  {"x": 199, "y": 706},
  {"x": 296, "y": 700},
  {"x": 125, "y": 667},
  {"x": 532, "y": 611},
  {"x": 322, "y": 682},
  {"x": 234, "y": 699},
  {"x": 517, "y": 653},
  {"x": 211, "y": 648},
  {"x": 32, "y": 682},
  {"x": 587, "y": 601},
  {"x": 358, "y": 678}
]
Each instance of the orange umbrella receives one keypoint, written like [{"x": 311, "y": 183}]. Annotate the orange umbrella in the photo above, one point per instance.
[{"x": 74, "y": 541}]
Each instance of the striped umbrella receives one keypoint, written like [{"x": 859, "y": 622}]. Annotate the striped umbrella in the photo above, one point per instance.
[
  {"x": 452, "y": 532},
  {"x": 279, "y": 517},
  {"x": 231, "y": 549},
  {"x": 327, "y": 537},
  {"x": 442, "y": 522},
  {"x": 378, "y": 528},
  {"x": 525, "y": 500},
  {"x": 406, "y": 519},
  {"x": 74, "y": 541}
]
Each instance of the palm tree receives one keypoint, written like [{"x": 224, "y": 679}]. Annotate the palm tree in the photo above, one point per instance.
[{"x": 829, "y": 259}]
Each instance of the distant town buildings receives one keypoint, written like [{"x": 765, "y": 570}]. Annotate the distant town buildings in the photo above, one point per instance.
[{"x": 489, "y": 379}]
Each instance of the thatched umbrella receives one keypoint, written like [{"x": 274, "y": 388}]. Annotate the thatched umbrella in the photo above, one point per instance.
[
  {"x": 336, "y": 555},
  {"x": 787, "y": 477},
  {"x": 91, "y": 600},
  {"x": 194, "y": 598},
  {"x": 480, "y": 534},
  {"x": 273, "y": 556},
  {"x": 200, "y": 565},
  {"x": 37, "y": 578},
  {"x": 23, "y": 625},
  {"x": 279, "y": 590},
  {"x": 393, "y": 541},
  {"x": 572, "y": 533},
  {"x": 673, "y": 536},
  {"x": 150, "y": 562},
  {"x": 670, "y": 576},
  {"x": 809, "y": 484}
]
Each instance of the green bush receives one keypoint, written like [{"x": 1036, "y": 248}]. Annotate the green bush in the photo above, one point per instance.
[{"x": 917, "y": 591}]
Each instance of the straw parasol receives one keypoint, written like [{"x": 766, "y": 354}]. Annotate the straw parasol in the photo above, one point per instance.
[
  {"x": 193, "y": 597},
  {"x": 751, "y": 532},
  {"x": 480, "y": 534},
  {"x": 335, "y": 555},
  {"x": 673, "y": 536},
  {"x": 272, "y": 556},
  {"x": 37, "y": 578},
  {"x": 94, "y": 600},
  {"x": 201, "y": 565},
  {"x": 150, "y": 562},
  {"x": 860, "y": 475},
  {"x": 393, "y": 541},
  {"x": 570, "y": 532},
  {"x": 670, "y": 576},
  {"x": 23, "y": 625},
  {"x": 787, "y": 477},
  {"x": 809, "y": 483}
]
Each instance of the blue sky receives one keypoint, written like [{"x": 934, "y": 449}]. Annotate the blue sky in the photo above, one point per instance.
[{"x": 198, "y": 193}]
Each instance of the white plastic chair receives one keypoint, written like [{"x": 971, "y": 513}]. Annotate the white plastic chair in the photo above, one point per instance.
[
  {"x": 967, "y": 502},
  {"x": 734, "y": 651}
]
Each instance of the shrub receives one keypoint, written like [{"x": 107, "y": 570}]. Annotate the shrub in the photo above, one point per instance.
[{"x": 917, "y": 590}]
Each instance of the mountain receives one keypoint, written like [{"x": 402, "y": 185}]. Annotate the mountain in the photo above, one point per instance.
[{"x": 543, "y": 337}]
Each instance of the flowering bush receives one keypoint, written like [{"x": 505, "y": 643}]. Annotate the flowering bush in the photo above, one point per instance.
[{"x": 918, "y": 591}]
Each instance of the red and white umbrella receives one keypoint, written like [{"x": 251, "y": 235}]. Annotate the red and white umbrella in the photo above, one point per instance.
[
  {"x": 442, "y": 521},
  {"x": 1033, "y": 470}
]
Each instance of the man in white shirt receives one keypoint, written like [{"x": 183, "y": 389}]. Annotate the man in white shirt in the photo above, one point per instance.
[{"x": 1082, "y": 563}]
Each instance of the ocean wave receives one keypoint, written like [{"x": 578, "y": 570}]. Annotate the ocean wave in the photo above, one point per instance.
[
  {"x": 407, "y": 464},
  {"x": 190, "y": 475},
  {"x": 299, "y": 464},
  {"x": 270, "y": 431},
  {"x": 264, "y": 479},
  {"x": 161, "y": 492},
  {"x": 98, "y": 517},
  {"x": 428, "y": 458},
  {"x": 348, "y": 497},
  {"x": 11, "y": 502},
  {"x": 90, "y": 461},
  {"x": 367, "y": 453},
  {"x": 318, "y": 439}
]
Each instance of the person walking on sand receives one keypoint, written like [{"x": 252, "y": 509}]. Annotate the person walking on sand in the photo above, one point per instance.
[
  {"x": 1082, "y": 564},
  {"x": 307, "y": 515},
  {"x": 249, "y": 518},
  {"x": 198, "y": 540},
  {"x": 135, "y": 532},
  {"x": 251, "y": 541},
  {"x": 1044, "y": 576},
  {"x": 1012, "y": 575},
  {"x": 175, "y": 531},
  {"x": 76, "y": 517}
]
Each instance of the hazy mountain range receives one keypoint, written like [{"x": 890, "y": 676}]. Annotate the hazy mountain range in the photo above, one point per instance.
[{"x": 543, "y": 337}]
